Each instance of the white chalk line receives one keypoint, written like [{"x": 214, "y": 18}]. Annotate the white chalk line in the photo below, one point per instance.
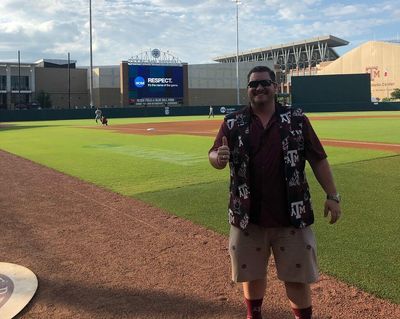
[
  {"x": 117, "y": 211},
  {"x": 360, "y": 142},
  {"x": 154, "y": 228}
]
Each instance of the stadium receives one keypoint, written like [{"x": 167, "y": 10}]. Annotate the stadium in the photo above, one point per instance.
[
  {"x": 198, "y": 84},
  {"x": 130, "y": 220}
]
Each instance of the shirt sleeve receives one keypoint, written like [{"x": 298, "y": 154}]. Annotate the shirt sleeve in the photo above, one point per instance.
[
  {"x": 223, "y": 131},
  {"x": 314, "y": 151}
]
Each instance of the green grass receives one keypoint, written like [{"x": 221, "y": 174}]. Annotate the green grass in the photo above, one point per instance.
[
  {"x": 364, "y": 243},
  {"x": 112, "y": 121},
  {"x": 128, "y": 164},
  {"x": 385, "y": 130},
  {"x": 172, "y": 172}
]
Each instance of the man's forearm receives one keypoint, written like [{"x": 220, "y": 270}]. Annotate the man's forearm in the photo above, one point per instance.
[{"x": 323, "y": 174}]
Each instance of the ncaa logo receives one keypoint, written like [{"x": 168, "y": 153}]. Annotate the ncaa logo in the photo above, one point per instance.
[
  {"x": 139, "y": 82},
  {"x": 222, "y": 110}
]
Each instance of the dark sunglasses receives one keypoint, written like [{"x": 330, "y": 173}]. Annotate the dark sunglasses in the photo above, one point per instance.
[{"x": 264, "y": 83}]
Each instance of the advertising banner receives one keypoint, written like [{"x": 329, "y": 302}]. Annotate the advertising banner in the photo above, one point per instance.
[{"x": 155, "y": 84}]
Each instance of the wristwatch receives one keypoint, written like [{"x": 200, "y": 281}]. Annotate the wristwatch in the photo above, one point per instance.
[{"x": 335, "y": 197}]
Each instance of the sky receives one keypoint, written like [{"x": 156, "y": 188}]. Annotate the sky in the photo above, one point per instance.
[{"x": 194, "y": 31}]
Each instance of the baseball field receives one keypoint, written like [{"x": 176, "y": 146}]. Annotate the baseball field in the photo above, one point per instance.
[{"x": 129, "y": 220}]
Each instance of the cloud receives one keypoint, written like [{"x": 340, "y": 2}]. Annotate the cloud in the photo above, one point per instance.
[{"x": 194, "y": 30}]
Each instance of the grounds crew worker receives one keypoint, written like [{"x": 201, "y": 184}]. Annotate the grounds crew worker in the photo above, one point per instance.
[{"x": 266, "y": 145}]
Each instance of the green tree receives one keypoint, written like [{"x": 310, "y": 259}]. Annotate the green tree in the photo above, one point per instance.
[
  {"x": 44, "y": 99},
  {"x": 395, "y": 94}
]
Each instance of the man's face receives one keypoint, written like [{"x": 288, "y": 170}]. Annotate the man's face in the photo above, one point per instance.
[{"x": 261, "y": 94}]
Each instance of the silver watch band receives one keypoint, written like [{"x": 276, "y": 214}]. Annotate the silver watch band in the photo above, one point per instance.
[{"x": 334, "y": 197}]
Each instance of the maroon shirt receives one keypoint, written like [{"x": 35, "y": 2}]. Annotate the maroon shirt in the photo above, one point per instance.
[{"x": 267, "y": 177}]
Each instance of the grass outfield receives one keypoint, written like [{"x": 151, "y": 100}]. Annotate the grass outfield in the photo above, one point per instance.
[{"x": 172, "y": 172}]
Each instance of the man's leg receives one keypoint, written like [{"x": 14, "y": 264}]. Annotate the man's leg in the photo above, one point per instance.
[
  {"x": 254, "y": 289},
  {"x": 250, "y": 251},
  {"x": 299, "y": 295},
  {"x": 254, "y": 293}
]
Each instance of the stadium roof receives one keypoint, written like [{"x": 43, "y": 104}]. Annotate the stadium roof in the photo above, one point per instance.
[
  {"x": 329, "y": 41},
  {"x": 55, "y": 61}
]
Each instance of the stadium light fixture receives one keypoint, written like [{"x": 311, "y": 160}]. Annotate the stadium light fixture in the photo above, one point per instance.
[{"x": 237, "y": 51}]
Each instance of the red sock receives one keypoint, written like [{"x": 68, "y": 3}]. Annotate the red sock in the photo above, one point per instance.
[
  {"x": 305, "y": 313},
  {"x": 254, "y": 308}
]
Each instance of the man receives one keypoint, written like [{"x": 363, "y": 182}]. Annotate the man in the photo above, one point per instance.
[
  {"x": 104, "y": 121},
  {"x": 211, "y": 112},
  {"x": 266, "y": 145},
  {"x": 97, "y": 114}
]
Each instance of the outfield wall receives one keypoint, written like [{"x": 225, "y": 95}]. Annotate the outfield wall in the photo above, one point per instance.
[
  {"x": 348, "y": 107},
  {"x": 71, "y": 114},
  {"x": 339, "y": 89}
]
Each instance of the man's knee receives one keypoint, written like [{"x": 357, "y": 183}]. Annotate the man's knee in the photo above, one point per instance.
[
  {"x": 299, "y": 294},
  {"x": 254, "y": 289}
]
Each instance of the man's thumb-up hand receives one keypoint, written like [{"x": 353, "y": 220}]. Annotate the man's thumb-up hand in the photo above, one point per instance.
[{"x": 223, "y": 152}]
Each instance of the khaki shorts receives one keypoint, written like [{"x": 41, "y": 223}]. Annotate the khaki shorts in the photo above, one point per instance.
[{"x": 294, "y": 252}]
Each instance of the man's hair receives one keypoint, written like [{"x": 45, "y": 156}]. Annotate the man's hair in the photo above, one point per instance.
[{"x": 261, "y": 68}]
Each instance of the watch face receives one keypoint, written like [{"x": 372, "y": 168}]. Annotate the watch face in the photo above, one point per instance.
[{"x": 335, "y": 197}]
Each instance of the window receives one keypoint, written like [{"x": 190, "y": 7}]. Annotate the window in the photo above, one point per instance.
[
  {"x": 15, "y": 83},
  {"x": 3, "y": 82}
]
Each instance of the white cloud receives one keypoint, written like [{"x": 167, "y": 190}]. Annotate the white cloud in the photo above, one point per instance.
[
  {"x": 339, "y": 10},
  {"x": 194, "y": 30}
]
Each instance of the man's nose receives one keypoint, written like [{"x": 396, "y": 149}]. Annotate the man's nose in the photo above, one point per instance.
[{"x": 259, "y": 86}]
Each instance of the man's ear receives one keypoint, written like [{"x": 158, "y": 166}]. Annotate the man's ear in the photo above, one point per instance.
[{"x": 276, "y": 87}]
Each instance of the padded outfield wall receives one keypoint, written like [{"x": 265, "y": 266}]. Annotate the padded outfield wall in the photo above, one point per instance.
[{"x": 334, "y": 93}]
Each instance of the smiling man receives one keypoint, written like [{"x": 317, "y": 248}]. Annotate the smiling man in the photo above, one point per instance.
[{"x": 266, "y": 145}]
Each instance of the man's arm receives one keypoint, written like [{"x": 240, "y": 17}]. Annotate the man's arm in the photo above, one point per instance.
[{"x": 323, "y": 174}]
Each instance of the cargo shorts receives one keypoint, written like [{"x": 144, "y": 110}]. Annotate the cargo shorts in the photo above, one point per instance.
[{"x": 294, "y": 252}]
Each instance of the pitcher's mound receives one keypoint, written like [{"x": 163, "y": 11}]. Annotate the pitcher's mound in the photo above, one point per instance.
[{"x": 17, "y": 286}]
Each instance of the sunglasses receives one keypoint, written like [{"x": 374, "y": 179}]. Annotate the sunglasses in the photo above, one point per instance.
[{"x": 264, "y": 83}]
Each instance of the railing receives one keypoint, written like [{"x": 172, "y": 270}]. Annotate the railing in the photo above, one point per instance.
[{"x": 23, "y": 88}]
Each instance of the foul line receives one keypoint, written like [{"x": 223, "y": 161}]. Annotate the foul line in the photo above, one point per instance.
[
  {"x": 359, "y": 142},
  {"x": 157, "y": 230},
  {"x": 115, "y": 210}
]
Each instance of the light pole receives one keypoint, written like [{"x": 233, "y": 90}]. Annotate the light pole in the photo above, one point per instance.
[
  {"x": 19, "y": 78},
  {"x": 69, "y": 82},
  {"x": 237, "y": 52},
  {"x": 91, "y": 56}
]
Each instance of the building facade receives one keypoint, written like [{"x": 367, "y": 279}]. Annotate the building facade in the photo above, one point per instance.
[
  {"x": 380, "y": 59},
  {"x": 215, "y": 83},
  {"x": 17, "y": 83},
  {"x": 21, "y": 84},
  {"x": 201, "y": 84}
]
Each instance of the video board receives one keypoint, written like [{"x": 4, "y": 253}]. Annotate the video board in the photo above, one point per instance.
[{"x": 155, "y": 84}]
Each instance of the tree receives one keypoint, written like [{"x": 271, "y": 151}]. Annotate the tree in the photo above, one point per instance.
[
  {"x": 44, "y": 99},
  {"x": 395, "y": 94}
]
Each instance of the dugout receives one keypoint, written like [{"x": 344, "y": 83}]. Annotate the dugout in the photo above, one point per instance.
[{"x": 329, "y": 93}]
